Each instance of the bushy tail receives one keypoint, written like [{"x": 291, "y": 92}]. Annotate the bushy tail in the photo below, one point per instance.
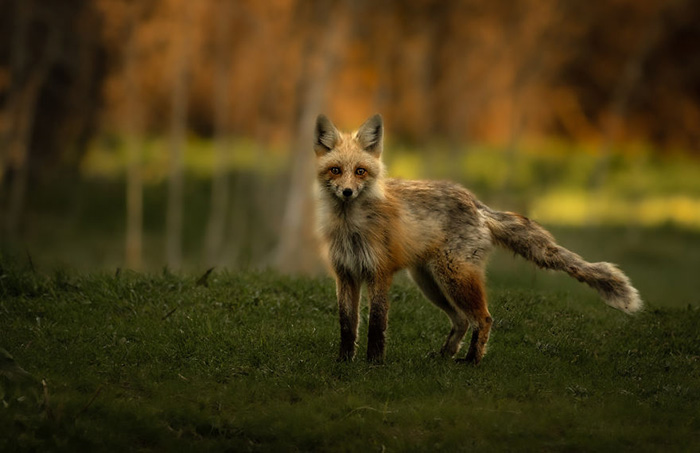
[{"x": 534, "y": 243}]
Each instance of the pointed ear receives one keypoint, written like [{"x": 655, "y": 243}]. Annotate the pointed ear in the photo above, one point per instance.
[
  {"x": 325, "y": 135},
  {"x": 370, "y": 134}
]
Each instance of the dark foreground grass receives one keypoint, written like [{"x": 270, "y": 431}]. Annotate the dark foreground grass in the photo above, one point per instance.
[{"x": 158, "y": 363}]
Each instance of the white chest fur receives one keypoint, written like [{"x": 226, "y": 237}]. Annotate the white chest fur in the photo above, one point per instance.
[{"x": 347, "y": 234}]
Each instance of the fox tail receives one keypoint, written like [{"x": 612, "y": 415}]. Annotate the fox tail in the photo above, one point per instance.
[{"x": 529, "y": 240}]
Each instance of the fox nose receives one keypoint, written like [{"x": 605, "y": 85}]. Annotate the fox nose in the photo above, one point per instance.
[{"x": 347, "y": 192}]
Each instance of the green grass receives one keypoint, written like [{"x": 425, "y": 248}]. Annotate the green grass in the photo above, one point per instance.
[{"x": 157, "y": 363}]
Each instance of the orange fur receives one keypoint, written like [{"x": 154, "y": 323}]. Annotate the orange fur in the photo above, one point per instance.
[{"x": 372, "y": 226}]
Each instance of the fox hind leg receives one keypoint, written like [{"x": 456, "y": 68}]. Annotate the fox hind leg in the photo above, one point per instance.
[
  {"x": 463, "y": 284},
  {"x": 480, "y": 336},
  {"x": 431, "y": 289}
]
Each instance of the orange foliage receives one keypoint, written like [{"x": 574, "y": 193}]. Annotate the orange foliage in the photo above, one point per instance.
[{"x": 462, "y": 71}]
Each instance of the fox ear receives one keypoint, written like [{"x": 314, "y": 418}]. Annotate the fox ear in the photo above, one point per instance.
[
  {"x": 370, "y": 134},
  {"x": 325, "y": 135}
]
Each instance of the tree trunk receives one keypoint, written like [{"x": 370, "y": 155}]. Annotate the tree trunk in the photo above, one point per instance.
[
  {"x": 297, "y": 250},
  {"x": 619, "y": 102},
  {"x": 178, "y": 125},
  {"x": 19, "y": 152},
  {"x": 18, "y": 63},
  {"x": 28, "y": 78},
  {"x": 134, "y": 181},
  {"x": 220, "y": 184}
]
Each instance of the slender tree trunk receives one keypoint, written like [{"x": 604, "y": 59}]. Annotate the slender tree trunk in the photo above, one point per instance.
[
  {"x": 512, "y": 149},
  {"x": 19, "y": 152},
  {"x": 296, "y": 250},
  {"x": 529, "y": 66},
  {"x": 18, "y": 62},
  {"x": 27, "y": 84},
  {"x": 220, "y": 184},
  {"x": 134, "y": 181},
  {"x": 619, "y": 103},
  {"x": 178, "y": 125}
]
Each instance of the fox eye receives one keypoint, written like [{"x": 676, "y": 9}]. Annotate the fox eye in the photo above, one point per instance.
[
  {"x": 335, "y": 170},
  {"x": 360, "y": 171}
]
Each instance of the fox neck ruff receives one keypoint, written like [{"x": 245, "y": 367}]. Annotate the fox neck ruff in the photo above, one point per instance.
[{"x": 354, "y": 231}]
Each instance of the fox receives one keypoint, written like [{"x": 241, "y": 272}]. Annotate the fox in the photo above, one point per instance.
[{"x": 371, "y": 226}]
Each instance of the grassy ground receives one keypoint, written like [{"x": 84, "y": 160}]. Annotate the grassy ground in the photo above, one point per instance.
[{"x": 159, "y": 363}]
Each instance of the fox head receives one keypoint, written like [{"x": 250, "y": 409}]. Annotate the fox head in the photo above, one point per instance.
[{"x": 349, "y": 165}]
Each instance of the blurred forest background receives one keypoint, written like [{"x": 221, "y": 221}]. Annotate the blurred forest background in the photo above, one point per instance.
[{"x": 176, "y": 133}]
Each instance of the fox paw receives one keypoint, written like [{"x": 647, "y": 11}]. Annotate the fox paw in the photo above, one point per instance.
[
  {"x": 345, "y": 356},
  {"x": 437, "y": 355},
  {"x": 468, "y": 360},
  {"x": 375, "y": 359}
]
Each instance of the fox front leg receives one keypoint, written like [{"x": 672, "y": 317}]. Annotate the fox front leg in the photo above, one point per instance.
[
  {"x": 378, "y": 318},
  {"x": 348, "y": 292}
]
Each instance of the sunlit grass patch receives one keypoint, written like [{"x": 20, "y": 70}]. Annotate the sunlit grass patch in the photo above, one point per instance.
[
  {"x": 582, "y": 208},
  {"x": 107, "y": 158}
]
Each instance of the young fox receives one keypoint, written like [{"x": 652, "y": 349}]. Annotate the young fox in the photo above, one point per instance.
[{"x": 372, "y": 226}]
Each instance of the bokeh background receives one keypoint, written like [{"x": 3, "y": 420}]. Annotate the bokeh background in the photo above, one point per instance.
[{"x": 172, "y": 133}]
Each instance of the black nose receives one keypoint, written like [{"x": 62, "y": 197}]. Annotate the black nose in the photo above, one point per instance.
[{"x": 347, "y": 192}]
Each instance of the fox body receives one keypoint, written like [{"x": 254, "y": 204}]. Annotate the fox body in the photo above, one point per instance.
[{"x": 372, "y": 226}]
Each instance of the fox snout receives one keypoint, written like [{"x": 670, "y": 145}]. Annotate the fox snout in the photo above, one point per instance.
[{"x": 346, "y": 193}]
